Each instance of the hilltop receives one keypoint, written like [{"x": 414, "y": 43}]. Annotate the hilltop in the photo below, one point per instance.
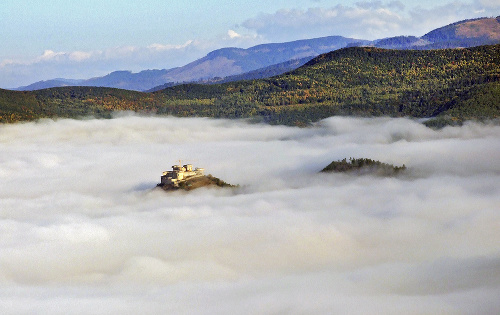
[
  {"x": 467, "y": 33},
  {"x": 198, "y": 182},
  {"x": 363, "y": 166},
  {"x": 456, "y": 84},
  {"x": 186, "y": 177}
]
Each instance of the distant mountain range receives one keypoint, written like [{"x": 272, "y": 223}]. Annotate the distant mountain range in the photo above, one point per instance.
[
  {"x": 266, "y": 60},
  {"x": 218, "y": 63},
  {"x": 450, "y": 85},
  {"x": 261, "y": 73}
]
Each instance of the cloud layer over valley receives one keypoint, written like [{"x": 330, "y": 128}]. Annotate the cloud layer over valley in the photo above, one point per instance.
[{"x": 83, "y": 231}]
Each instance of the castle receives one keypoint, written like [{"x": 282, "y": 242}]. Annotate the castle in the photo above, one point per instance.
[{"x": 180, "y": 173}]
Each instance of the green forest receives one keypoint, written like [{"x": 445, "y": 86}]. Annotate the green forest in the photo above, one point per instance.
[
  {"x": 363, "y": 166},
  {"x": 451, "y": 85}
]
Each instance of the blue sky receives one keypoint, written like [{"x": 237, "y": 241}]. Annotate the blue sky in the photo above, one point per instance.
[{"x": 85, "y": 38}]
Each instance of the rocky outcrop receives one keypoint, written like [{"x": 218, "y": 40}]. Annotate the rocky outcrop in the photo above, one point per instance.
[{"x": 196, "y": 182}]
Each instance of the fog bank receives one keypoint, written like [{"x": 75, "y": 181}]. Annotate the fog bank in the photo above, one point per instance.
[{"x": 83, "y": 231}]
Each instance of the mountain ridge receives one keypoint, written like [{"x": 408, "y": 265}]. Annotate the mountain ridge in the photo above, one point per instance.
[
  {"x": 221, "y": 62},
  {"x": 454, "y": 84},
  {"x": 232, "y": 61},
  {"x": 260, "y": 73}
]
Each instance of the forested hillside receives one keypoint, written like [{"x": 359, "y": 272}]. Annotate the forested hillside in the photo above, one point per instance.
[
  {"x": 454, "y": 84},
  {"x": 463, "y": 83},
  {"x": 261, "y": 73}
]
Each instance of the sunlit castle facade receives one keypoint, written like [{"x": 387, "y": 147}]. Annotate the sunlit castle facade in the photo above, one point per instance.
[{"x": 180, "y": 173}]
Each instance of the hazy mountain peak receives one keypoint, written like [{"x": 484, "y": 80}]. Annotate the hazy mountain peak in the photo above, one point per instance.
[
  {"x": 489, "y": 28},
  {"x": 467, "y": 32}
]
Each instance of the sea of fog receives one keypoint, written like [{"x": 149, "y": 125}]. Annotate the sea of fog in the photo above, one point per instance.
[{"x": 83, "y": 231}]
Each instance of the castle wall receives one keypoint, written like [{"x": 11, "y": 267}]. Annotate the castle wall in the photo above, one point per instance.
[{"x": 180, "y": 173}]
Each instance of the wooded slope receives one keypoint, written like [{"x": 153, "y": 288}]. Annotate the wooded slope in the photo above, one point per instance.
[{"x": 456, "y": 83}]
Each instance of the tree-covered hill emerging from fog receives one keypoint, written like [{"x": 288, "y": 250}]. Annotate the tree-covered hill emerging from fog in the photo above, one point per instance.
[
  {"x": 363, "y": 166},
  {"x": 452, "y": 84}
]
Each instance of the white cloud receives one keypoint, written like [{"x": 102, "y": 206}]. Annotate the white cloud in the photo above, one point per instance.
[
  {"x": 80, "y": 55},
  {"x": 112, "y": 53},
  {"x": 161, "y": 47},
  {"x": 76, "y": 200},
  {"x": 61, "y": 56},
  {"x": 241, "y": 39},
  {"x": 361, "y": 21},
  {"x": 233, "y": 34},
  {"x": 52, "y": 56},
  {"x": 49, "y": 55},
  {"x": 364, "y": 20},
  {"x": 7, "y": 62},
  {"x": 86, "y": 64}
]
